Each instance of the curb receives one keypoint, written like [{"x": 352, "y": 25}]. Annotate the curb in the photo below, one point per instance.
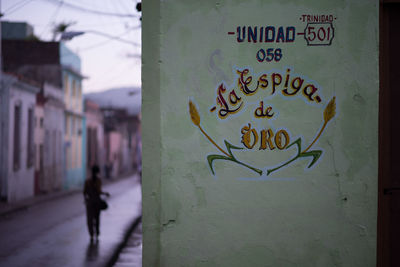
[
  {"x": 123, "y": 243},
  {"x": 35, "y": 200}
]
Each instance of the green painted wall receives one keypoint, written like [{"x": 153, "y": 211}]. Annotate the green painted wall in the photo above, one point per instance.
[{"x": 293, "y": 216}]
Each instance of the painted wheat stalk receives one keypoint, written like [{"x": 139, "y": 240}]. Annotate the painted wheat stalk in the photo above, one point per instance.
[
  {"x": 194, "y": 115},
  {"x": 329, "y": 113}
]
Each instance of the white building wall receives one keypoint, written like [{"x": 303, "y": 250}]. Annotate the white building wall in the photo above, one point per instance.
[
  {"x": 115, "y": 143},
  {"x": 54, "y": 133},
  {"x": 53, "y": 159},
  {"x": 20, "y": 182},
  {"x": 94, "y": 120}
]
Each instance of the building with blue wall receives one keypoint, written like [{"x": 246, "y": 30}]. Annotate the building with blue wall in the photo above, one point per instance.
[{"x": 75, "y": 124}]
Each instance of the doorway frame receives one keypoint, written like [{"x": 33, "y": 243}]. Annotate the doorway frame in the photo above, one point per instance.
[{"x": 383, "y": 220}]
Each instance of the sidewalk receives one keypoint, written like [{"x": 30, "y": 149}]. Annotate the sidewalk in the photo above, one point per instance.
[
  {"x": 67, "y": 243},
  {"x": 9, "y": 208},
  {"x": 131, "y": 251}
]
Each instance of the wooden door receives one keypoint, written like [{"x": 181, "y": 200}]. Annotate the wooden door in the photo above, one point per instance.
[{"x": 388, "y": 253}]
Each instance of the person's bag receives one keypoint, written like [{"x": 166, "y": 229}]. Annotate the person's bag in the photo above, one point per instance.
[{"x": 103, "y": 204}]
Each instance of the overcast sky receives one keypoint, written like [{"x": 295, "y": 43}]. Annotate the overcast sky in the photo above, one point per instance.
[{"x": 107, "y": 62}]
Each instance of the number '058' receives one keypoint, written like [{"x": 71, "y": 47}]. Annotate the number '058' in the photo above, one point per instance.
[{"x": 268, "y": 55}]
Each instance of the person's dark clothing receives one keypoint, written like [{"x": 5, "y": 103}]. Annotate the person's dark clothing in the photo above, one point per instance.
[{"x": 92, "y": 193}]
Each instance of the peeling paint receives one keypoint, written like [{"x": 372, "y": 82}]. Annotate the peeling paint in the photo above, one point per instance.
[
  {"x": 359, "y": 99},
  {"x": 169, "y": 223},
  {"x": 363, "y": 230},
  {"x": 201, "y": 198}
]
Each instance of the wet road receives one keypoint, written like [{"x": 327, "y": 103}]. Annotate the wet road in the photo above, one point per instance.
[{"x": 54, "y": 233}]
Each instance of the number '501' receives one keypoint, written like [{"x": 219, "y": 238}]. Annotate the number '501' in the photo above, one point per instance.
[{"x": 269, "y": 54}]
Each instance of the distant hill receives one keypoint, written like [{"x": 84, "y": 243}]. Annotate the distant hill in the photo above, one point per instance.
[{"x": 125, "y": 97}]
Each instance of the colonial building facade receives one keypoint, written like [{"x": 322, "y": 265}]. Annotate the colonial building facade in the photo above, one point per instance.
[
  {"x": 95, "y": 151},
  {"x": 57, "y": 70},
  {"x": 53, "y": 138},
  {"x": 75, "y": 133},
  {"x": 18, "y": 100}
]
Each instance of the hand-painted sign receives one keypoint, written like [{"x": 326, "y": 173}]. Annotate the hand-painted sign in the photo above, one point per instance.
[
  {"x": 233, "y": 101},
  {"x": 319, "y": 31}
]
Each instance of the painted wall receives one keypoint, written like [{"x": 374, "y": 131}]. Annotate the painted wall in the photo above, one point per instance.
[
  {"x": 73, "y": 91},
  {"x": 54, "y": 138},
  {"x": 69, "y": 58},
  {"x": 75, "y": 138},
  {"x": 275, "y": 162},
  {"x": 18, "y": 182},
  {"x": 95, "y": 136},
  {"x": 114, "y": 141}
]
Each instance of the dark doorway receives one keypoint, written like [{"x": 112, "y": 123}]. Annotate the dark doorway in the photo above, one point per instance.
[{"x": 389, "y": 136}]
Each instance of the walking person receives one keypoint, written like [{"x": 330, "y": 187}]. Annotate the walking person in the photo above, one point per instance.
[{"x": 91, "y": 193}]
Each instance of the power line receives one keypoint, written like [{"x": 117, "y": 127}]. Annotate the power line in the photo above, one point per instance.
[
  {"x": 109, "y": 40},
  {"x": 122, "y": 4},
  {"x": 85, "y": 4},
  {"x": 52, "y": 18},
  {"x": 104, "y": 7},
  {"x": 16, "y": 4},
  {"x": 112, "y": 37},
  {"x": 121, "y": 71},
  {"x": 16, "y": 7},
  {"x": 87, "y": 10},
  {"x": 115, "y": 7},
  {"x": 83, "y": 25}
]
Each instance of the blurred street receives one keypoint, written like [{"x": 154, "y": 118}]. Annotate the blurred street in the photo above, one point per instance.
[
  {"x": 54, "y": 232},
  {"x": 131, "y": 254}
]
